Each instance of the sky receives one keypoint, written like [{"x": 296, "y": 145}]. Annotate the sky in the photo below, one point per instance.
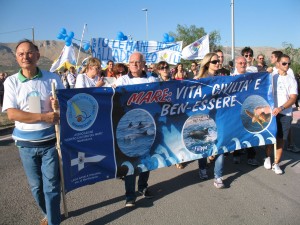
[{"x": 257, "y": 23}]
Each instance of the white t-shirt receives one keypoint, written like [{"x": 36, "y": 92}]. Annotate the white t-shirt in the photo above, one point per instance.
[
  {"x": 251, "y": 69},
  {"x": 284, "y": 86},
  {"x": 17, "y": 95},
  {"x": 84, "y": 81},
  {"x": 128, "y": 79},
  {"x": 290, "y": 72},
  {"x": 71, "y": 79}
]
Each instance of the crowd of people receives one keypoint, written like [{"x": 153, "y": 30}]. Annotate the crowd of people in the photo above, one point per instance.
[{"x": 34, "y": 131}]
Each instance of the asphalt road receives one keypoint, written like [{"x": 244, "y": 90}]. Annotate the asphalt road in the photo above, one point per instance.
[{"x": 252, "y": 195}]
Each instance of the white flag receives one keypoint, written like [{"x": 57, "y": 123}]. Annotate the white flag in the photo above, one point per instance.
[
  {"x": 66, "y": 59},
  {"x": 196, "y": 50}
]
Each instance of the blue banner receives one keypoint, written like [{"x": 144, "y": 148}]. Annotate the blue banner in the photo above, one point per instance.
[{"x": 149, "y": 126}]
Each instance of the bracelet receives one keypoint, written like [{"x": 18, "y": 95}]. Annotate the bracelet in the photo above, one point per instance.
[{"x": 282, "y": 108}]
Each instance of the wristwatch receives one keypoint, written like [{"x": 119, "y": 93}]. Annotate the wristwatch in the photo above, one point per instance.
[{"x": 282, "y": 108}]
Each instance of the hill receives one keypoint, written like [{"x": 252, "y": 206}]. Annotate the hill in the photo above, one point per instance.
[{"x": 50, "y": 50}]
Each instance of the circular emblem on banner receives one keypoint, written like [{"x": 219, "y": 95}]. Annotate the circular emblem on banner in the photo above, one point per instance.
[{"x": 82, "y": 111}]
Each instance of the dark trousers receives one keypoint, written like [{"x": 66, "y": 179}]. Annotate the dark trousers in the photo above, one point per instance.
[
  {"x": 250, "y": 153},
  {"x": 130, "y": 184}
]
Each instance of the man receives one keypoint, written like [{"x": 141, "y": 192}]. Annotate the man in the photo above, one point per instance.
[
  {"x": 261, "y": 65},
  {"x": 222, "y": 71},
  {"x": 71, "y": 77},
  {"x": 28, "y": 102},
  {"x": 109, "y": 70},
  {"x": 274, "y": 58},
  {"x": 247, "y": 52},
  {"x": 285, "y": 95},
  {"x": 241, "y": 65},
  {"x": 193, "y": 71},
  {"x": 136, "y": 76}
]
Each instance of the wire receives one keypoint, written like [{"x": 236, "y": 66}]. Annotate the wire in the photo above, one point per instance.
[{"x": 14, "y": 31}]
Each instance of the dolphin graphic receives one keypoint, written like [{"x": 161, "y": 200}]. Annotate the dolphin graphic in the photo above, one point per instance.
[
  {"x": 260, "y": 119},
  {"x": 198, "y": 134},
  {"x": 134, "y": 136}
]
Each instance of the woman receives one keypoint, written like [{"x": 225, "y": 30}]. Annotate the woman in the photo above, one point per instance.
[
  {"x": 91, "y": 77},
  {"x": 209, "y": 66},
  {"x": 180, "y": 73},
  {"x": 119, "y": 70},
  {"x": 163, "y": 71}
]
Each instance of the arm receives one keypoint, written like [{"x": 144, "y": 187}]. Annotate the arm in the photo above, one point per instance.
[{"x": 288, "y": 104}]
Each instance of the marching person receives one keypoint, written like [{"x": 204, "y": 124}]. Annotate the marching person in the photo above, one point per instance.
[
  {"x": 28, "y": 102},
  {"x": 136, "y": 75}
]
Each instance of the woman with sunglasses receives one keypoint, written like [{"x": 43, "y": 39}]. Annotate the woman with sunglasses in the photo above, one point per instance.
[
  {"x": 163, "y": 71},
  {"x": 209, "y": 66},
  {"x": 119, "y": 70},
  {"x": 91, "y": 77}
]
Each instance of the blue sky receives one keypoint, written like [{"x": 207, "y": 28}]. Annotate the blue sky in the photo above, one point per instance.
[{"x": 257, "y": 22}]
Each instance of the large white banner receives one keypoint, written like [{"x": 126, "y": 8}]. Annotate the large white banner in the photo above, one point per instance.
[{"x": 119, "y": 51}]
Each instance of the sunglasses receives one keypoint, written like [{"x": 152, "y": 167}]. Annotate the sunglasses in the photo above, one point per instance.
[
  {"x": 285, "y": 63},
  {"x": 164, "y": 68},
  {"x": 250, "y": 55},
  {"x": 215, "y": 61}
]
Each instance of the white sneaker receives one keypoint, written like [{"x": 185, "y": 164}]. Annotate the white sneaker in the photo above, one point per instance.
[
  {"x": 267, "y": 163},
  {"x": 218, "y": 182},
  {"x": 276, "y": 168}
]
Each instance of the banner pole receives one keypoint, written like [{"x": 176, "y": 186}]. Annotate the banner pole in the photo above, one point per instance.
[
  {"x": 61, "y": 172},
  {"x": 80, "y": 44}
]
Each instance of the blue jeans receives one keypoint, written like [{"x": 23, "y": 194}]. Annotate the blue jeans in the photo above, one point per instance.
[
  {"x": 130, "y": 184},
  {"x": 42, "y": 171},
  {"x": 219, "y": 164}
]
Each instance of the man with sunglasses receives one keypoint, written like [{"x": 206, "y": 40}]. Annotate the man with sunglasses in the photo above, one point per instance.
[
  {"x": 274, "y": 58},
  {"x": 261, "y": 65},
  {"x": 285, "y": 95},
  {"x": 136, "y": 75},
  {"x": 247, "y": 52}
]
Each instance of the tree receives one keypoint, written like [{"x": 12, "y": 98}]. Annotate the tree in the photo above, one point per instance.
[
  {"x": 294, "y": 54},
  {"x": 190, "y": 34}
]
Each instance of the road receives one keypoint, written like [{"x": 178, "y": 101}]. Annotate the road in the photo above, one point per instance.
[{"x": 252, "y": 195}]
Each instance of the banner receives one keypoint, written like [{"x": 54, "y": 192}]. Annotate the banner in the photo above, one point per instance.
[
  {"x": 120, "y": 51},
  {"x": 196, "y": 50},
  {"x": 109, "y": 132},
  {"x": 66, "y": 59}
]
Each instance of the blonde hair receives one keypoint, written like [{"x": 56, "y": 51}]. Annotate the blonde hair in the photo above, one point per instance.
[
  {"x": 92, "y": 62},
  {"x": 203, "y": 72}
]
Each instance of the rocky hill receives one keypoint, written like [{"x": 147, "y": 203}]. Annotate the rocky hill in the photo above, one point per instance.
[{"x": 50, "y": 50}]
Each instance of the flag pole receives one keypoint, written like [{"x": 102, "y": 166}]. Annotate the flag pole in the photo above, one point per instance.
[
  {"x": 61, "y": 172},
  {"x": 80, "y": 44}
]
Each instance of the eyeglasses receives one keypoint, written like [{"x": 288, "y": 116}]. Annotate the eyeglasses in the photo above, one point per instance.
[
  {"x": 164, "y": 68},
  {"x": 135, "y": 62},
  {"x": 215, "y": 61},
  {"x": 241, "y": 63},
  {"x": 285, "y": 63},
  {"x": 250, "y": 55}
]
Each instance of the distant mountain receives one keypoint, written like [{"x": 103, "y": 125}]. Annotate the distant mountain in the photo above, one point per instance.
[{"x": 50, "y": 50}]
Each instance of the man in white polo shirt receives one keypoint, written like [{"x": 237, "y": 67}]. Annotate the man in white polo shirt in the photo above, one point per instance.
[
  {"x": 136, "y": 75},
  {"x": 28, "y": 102}
]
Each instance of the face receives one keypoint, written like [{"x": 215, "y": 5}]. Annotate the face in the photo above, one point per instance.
[
  {"x": 273, "y": 59},
  {"x": 94, "y": 70},
  {"x": 193, "y": 66},
  {"x": 284, "y": 64},
  {"x": 121, "y": 71},
  {"x": 110, "y": 65},
  {"x": 136, "y": 64},
  {"x": 164, "y": 70},
  {"x": 179, "y": 67},
  {"x": 241, "y": 65},
  {"x": 248, "y": 56},
  {"x": 261, "y": 59},
  {"x": 27, "y": 56},
  {"x": 220, "y": 57},
  {"x": 214, "y": 64}
]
